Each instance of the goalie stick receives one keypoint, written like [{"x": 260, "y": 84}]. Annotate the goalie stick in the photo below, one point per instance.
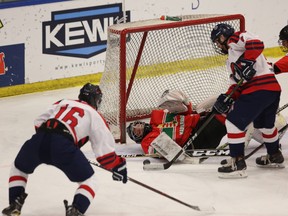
[
  {"x": 208, "y": 209},
  {"x": 191, "y": 153},
  {"x": 197, "y": 153},
  {"x": 160, "y": 166},
  {"x": 207, "y": 152}
]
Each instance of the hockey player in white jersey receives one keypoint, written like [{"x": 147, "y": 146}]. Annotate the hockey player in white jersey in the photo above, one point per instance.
[
  {"x": 256, "y": 100},
  {"x": 60, "y": 132}
]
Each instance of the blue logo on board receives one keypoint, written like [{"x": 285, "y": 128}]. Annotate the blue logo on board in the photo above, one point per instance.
[{"x": 80, "y": 32}]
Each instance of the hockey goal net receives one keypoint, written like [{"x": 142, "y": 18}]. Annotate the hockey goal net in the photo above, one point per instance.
[{"x": 145, "y": 58}]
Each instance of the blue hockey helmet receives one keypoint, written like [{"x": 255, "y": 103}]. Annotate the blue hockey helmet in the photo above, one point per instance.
[
  {"x": 91, "y": 94},
  {"x": 226, "y": 31},
  {"x": 222, "y": 29}
]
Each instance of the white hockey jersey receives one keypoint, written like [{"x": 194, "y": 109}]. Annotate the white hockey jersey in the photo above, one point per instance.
[
  {"x": 82, "y": 120},
  {"x": 248, "y": 46}
]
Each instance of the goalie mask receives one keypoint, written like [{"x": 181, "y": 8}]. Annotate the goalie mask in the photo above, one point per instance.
[
  {"x": 138, "y": 130},
  {"x": 219, "y": 37},
  {"x": 91, "y": 94},
  {"x": 283, "y": 39}
]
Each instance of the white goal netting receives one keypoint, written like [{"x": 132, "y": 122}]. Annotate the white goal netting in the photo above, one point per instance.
[{"x": 145, "y": 58}]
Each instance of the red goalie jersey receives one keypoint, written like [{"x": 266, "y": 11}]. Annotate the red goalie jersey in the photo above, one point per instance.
[{"x": 177, "y": 126}]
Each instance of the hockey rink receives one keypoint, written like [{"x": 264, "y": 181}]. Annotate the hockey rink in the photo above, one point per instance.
[{"x": 263, "y": 193}]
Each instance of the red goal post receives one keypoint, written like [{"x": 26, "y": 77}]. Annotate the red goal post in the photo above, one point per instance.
[{"x": 145, "y": 58}]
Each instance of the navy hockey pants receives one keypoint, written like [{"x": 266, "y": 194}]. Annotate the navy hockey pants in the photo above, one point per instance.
[
  {"x": 57, "y": 150},
  {"x": 258, "y": 107}
]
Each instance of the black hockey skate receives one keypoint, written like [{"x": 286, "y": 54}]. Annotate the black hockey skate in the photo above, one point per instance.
[
  {"x": 71, "y": 210},
  {"x": 271, "y": 161},
  {"x": 234, "y": 168},
  {"x": 15, "y": 207}
]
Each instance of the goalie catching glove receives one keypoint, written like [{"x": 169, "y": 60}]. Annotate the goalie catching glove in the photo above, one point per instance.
[
  {"x": 120, "y": 171},
  {"x": 174, "y": 101},
  {"x": 223, "y": 104},
  {"x": 244, "y": 69}
]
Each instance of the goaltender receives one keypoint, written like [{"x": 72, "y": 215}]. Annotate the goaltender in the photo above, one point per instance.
[{"x": 176, "y": 118}]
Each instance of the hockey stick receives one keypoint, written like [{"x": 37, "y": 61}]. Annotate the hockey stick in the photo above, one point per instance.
[
  {"x": 282, "y": 108},
  {"x": 197, "y": 208},
  {"x": 226, "y": 144},
  {"x": 207, "y": 152},
  {"x": 158, "y": 166},
  {"x": 191, "y": 153},
  {"x": 204, "y": 154},
  {"x": 219, "y": 151},
  {"x": 281, "y": 134},
  {"x": 225, "y": 152},
  {"x": 139, "y": 155}
]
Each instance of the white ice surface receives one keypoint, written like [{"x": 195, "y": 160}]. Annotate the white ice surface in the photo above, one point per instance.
[{"x": 263, "y": 193}]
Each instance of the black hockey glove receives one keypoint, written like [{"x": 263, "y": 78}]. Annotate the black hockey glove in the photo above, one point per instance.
[
  {"x": 244, "y": 68},
  {"x": 222, "y": 104},
  {"x": 120, "y": 171}
]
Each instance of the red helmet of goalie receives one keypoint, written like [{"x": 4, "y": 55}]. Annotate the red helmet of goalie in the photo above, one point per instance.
[
  {"x": 138, "y": 130},
  {"x": 220, "y": 35}
]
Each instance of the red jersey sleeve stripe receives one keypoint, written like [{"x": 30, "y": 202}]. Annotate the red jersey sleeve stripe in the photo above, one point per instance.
[
  {"x": 107, "y": 159},
  {"x": 234, "y": 38}
]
